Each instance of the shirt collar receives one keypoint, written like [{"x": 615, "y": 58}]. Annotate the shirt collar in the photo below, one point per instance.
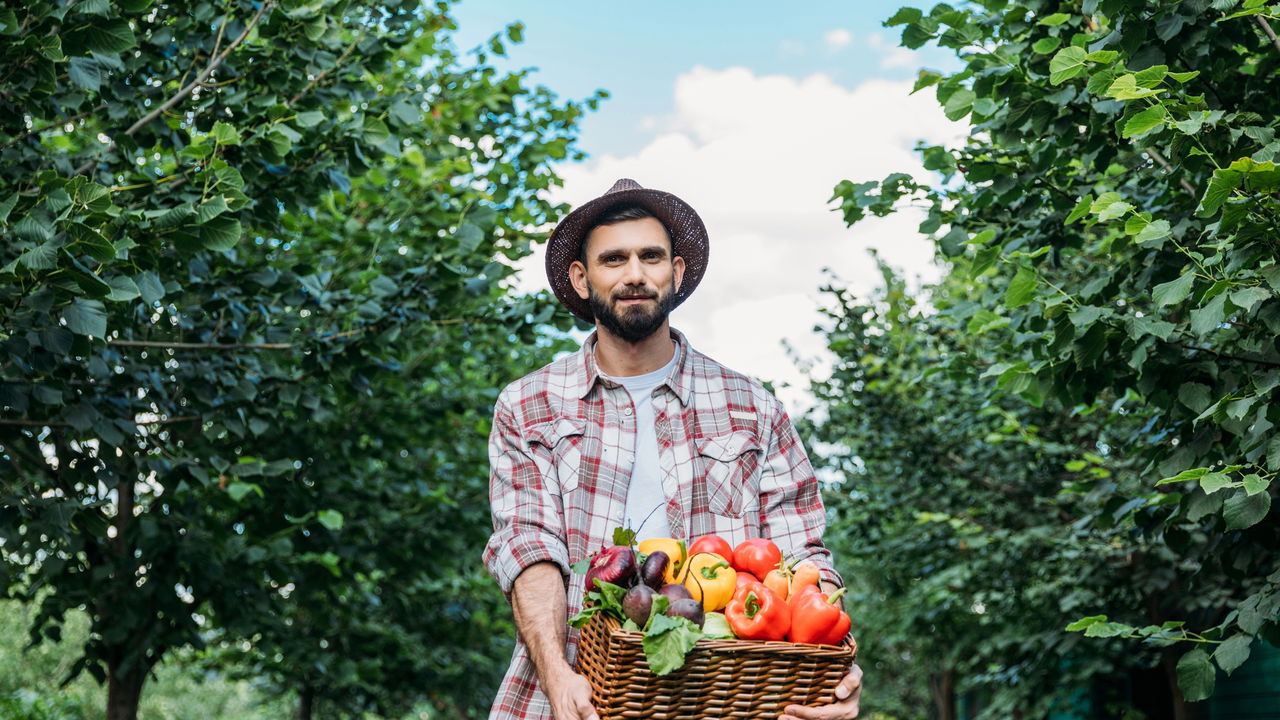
[{"x": 680, "y": 380}]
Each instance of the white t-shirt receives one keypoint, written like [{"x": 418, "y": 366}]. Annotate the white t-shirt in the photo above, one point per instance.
[{"x": 646, "y": 503}]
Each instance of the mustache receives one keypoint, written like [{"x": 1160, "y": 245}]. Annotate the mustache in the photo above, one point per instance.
[{"x": 634, "y": 292}]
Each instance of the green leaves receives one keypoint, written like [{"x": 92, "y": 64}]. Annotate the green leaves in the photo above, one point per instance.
[
  {"x": 1195, "y": 675},
  {"x": 1218, "y": 190},
  {"x": 1068, "y": 63},
  {"x": 1174, "y": 291},
  {"x": 1126, "y": 87},
  {"x": 1021, "y": 290},
  {"x": 101, "y": 36},
  {"x": 1244, "y": 510},
  {"x": 221, "y": 233},
  {"x": 667, "y": 642},
  {"x": 86, "y": 317},
  {"x": 1145, "y": 121},
  {"x": 1232, "y": 653}
]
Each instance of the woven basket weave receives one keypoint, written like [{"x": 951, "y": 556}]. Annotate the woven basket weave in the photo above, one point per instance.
[{"x": 720, "y": 678}]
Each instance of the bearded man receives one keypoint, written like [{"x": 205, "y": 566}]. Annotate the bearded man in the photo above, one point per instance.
[{"x": 637, "y": 429}]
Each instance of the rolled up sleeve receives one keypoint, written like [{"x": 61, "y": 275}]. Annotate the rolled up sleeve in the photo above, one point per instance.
[
  {"x": 791, "y": 511},
  {"x": 528, "y": 522}
]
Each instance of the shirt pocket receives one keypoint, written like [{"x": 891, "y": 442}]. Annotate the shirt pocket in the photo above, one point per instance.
[
  {"x": 562, "y": 437},
  {"x": 729, "y": 465}
]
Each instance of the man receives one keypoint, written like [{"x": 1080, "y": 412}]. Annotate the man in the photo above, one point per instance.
[{"x": 636, "y": 429}]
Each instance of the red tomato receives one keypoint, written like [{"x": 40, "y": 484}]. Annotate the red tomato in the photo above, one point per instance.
[
  {"x": 712, "y": 544},
  {"x": 746, "y": 578},
  {"x": 757, "y": 556}
]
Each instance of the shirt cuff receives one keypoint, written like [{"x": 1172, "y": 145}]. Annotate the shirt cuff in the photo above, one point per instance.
[{"x": 512, "y": 556}]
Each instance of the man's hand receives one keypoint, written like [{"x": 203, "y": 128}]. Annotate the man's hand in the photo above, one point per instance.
[
  {"x": 845, "y": 707},
  {"x": 570, "y": 696}
]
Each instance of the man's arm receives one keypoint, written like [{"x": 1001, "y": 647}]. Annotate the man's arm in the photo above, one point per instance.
[{"x": 538, "y": 601}]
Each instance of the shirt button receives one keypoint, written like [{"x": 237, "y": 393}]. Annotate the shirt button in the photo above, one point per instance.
[{"x": 626, "y": 411}]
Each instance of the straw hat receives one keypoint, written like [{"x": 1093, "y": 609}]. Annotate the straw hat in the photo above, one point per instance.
[{"x": 688, "y": 239}]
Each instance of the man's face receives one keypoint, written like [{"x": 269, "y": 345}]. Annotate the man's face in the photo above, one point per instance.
[{"x": 630, "y": 279}]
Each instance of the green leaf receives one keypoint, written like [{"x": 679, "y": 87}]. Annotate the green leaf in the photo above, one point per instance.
[
  {"x": 1114, "y": 210},
  {"x": 1126, "y": 87},
  {"x": 926, "y": 78},
  {"x": 225, "y": 133},
  {"x": 1195, "y": 675},
  {"x": 210, "y": 209},
  {"x": 221, "y": 233},
  {"x": 1243, "y": 510},
  {"x": 1105, "y": 57},
  {"x": 1209, "y": 317},
  {"x": 1232, "y": 653},
  {"x": 1046, "y": 45},
  {"x": 1183, "y": 77},
  {"x": 1174, "y": 291},
  {"x": 959, "y": 104},
  {"x": 1154, "y": 233},
  {"x": 1144, "y": 121},
  {"x": 238, "y": 490},
  {"x": 6, "y": 206},
  {"x": 331, "y": 519},
  {"x": 1219, "y": 188},
  {"x": 623, "y": 536},
  {"x": 1086, "y": 316},
  {"x": 1195, "y": 396},
  {"x": 86, "y": 317},
  {"x": 1085, "y": 623},
  {"x": 1022, "y": 289},
  {"x": 1213, "y": 482},
  {"x": 985, "y": 320},
  {"x": 85, "y": 72},
  {"x": 1068, "y": 63},
  {"x": 1080, "y": 210},
  {"x": 1254, "y": 483},
  {"x": 40, "y": 257},
  {"x": 122, "y": 288},
  {"x": 102, "y": 36},
  {"x": 1108, "y": 629},
  {"x": 1055, "y": 19},
  {"x": 667, "y": 642},
  {"x": 1273, "y": 453},
  {"x": 903, "y": 16},
  {"x": 150, "y": 286},
  {"x": 1247, "y": 298},
  {"x": 1193, "y": 474},
  {"x": 1151, "y": 77},
  {"x": 309, "y": 118}
]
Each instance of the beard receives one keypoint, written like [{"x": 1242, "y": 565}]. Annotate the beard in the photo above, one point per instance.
[{"x": 631, "y": 323}]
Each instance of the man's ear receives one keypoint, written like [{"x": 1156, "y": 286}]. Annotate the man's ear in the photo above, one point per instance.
[
  {"x": 578, "y": 278},
  {"x": 677, "y": 265}
]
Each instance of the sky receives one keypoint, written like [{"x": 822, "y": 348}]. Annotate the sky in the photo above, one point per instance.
[{"x": 751, "y": 114}]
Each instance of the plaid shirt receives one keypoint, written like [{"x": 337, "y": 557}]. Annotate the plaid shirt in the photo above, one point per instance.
[{"x": 560, "y": 455}]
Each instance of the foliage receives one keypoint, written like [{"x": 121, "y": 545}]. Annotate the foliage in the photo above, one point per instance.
[
  {"x": 973, "y": 526},
  {"x": 253, "y": 318},
  {"x": 1109, "y": 226}
]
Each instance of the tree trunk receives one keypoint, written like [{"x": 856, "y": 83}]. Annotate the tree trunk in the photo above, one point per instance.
[
  {"x": 1182, "y": 710},
  {"x": 124, "y": 690},
  {"x": 942, "y": 686},
  {"x": 306, "y": 698}
]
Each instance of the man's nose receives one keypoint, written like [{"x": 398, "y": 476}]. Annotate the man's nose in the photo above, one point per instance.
[{"x": 634, "y": 271}]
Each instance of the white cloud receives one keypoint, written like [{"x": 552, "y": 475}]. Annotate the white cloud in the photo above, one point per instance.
[
  {"x": 758, "y": 157},
  {"x": 837, "y": 38}
]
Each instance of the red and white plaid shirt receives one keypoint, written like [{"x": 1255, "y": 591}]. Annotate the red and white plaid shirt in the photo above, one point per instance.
[{"x": 560, "y": 458}]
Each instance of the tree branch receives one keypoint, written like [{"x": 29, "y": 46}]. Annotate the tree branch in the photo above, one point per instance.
[
  {"x": 1155, "y": 155},
  {"x": 214, "y": 62},
  {"x": 1228, "y": 356},
  {"x": 1266, "y": 28}
]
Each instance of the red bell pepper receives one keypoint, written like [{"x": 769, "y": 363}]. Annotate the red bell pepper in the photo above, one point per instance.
[
  {"x": 818, "y": 619},
  {"x": 756, "y": 613},
  {"x": 757, "y": 556}
]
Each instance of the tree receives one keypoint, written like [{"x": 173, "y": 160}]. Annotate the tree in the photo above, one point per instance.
[
  {"x": 255, "y": 291},
  {"x": 1110, "y": 224}
]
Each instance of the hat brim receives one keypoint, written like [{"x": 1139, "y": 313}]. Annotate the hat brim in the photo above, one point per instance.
[{"x": 688, "y": 241}]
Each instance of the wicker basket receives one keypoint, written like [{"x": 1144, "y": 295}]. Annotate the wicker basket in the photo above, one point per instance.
[{"x": 720, "y": 678}]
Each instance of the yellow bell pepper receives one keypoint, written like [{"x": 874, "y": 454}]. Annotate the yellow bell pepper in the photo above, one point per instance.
[
  {"x": 711, "y": 580},
  {"x": 677, "y": 557}
]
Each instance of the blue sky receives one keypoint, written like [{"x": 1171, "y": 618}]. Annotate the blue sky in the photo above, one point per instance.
[{"x": 636, "y": 53}]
